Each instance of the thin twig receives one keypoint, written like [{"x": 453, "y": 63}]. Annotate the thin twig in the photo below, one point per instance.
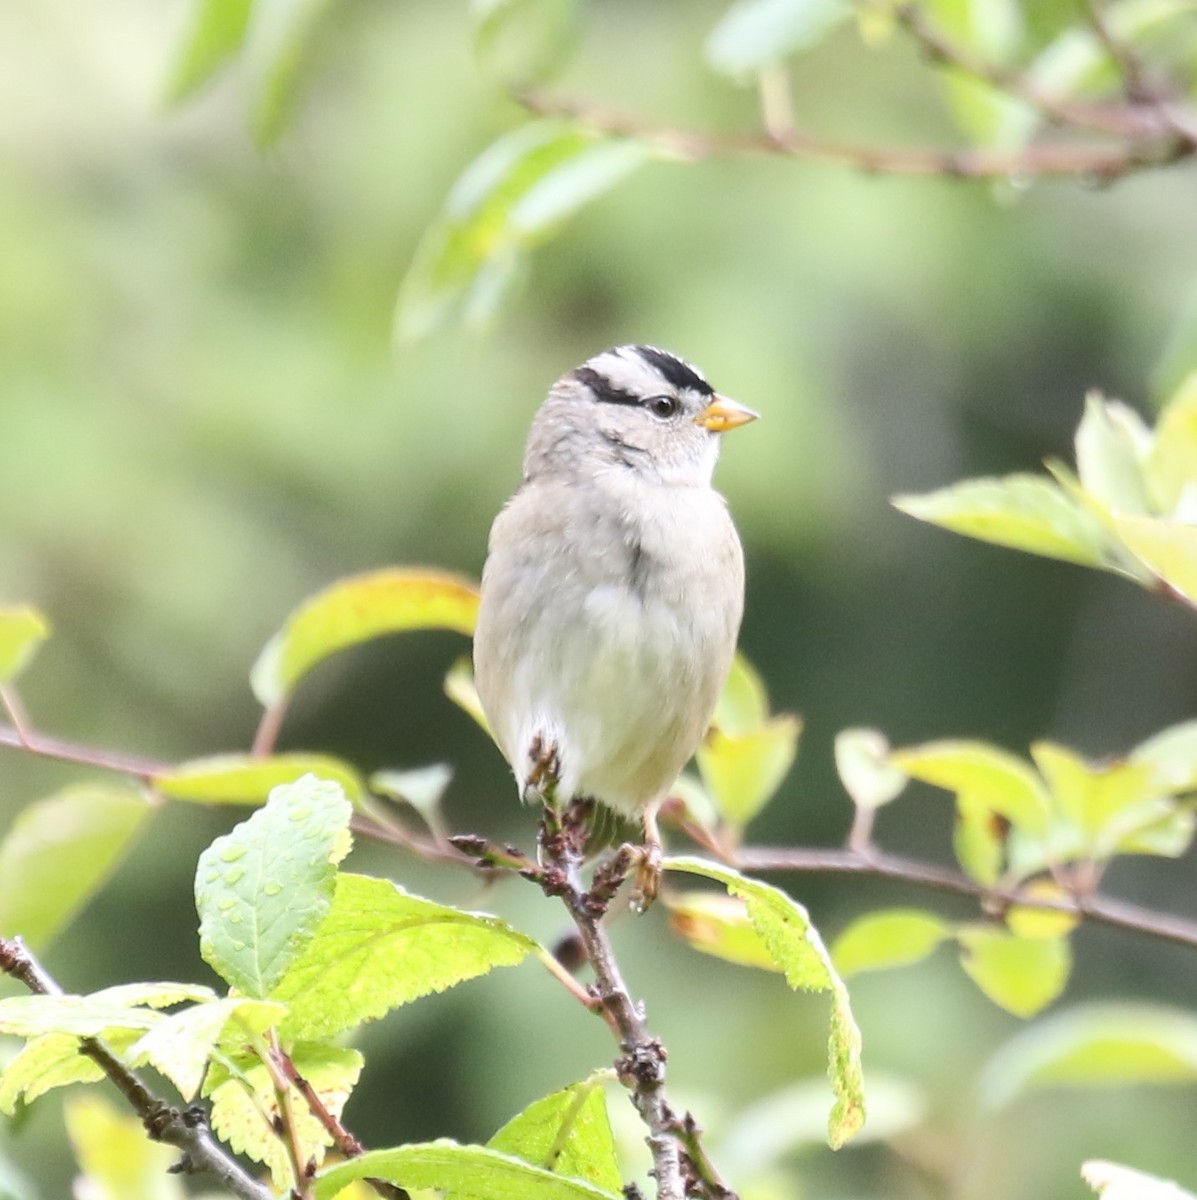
[
  {"x": 1104, "y": 910},
  {"x": 1082, "y": 160},
  {"x": 11, "y": 699},
  {"x": 1130, "y": 67},
  {"x": 187, "y": 1130},
  {"x": 45, "y": 746},
  {"x": 269, "y": 727}
]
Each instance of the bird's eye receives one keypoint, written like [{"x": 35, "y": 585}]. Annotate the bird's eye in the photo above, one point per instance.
[{"x": 663, "y": 406}]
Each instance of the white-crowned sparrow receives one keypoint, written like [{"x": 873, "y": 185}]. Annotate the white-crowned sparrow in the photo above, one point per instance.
[{"x": 614, "y": 586}]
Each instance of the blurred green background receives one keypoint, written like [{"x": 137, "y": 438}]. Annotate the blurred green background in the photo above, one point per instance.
[{"x": 203, "y": 420}]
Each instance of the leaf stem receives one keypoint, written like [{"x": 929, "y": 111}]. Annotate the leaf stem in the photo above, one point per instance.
[{"x": 187, "y": 1130}]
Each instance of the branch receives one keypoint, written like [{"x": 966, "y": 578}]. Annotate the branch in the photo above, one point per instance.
[
  {"x": 1064, "y": 159},
  {"x": 877, "y": 864},
  {"x": 641, "y": 1065},
  {"x": 186, "y": 1130},
  {"x": 33, "y": 742}
]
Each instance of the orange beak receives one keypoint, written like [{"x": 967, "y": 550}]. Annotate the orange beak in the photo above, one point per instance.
[{"x": 723, "y": 414}]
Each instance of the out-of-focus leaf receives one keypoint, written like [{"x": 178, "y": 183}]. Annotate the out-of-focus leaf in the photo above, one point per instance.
[
  {"x": 355, "y": 610},
  {"x": 1094, "y": 1045},
  {"x": 743, "y": 704},
  {"x": 1163, "y": 829},
  {"x": 245, "y": 1106},
  {"x": 987, "y": 115},
  {"x": 979, "y": 839},
  {"x": 447, "y": 1166},
  {"x": 1172, "y": 754},
  {"x": 522, "y": 41},
  {"x": 461, "y": 689},
  {"x": 180, "y": 1046},
  {"x": 718, "y": 924},
  {"x": 422, "y": 788},
  {"x": 22, "y": 630},
  {"x": 758, "y": 33},
  {"x": 1074, "y": 64},
  {"x": 60, "y": 851},
  {"x": 263, "y": 889},
  {"x": 1167, "y": 548},
  {"x": 117, "y": 1159},
  {"x": 1114, "y": 1182},
  {"x": 785, "y": 929},
  {"x": 380, "y": 947},
  {"x": 280, "y": 36},
  {"x": 895, "y": 937},
  {"x": 1172, "y": 466},
  {"x": 1095, "y": 797},
  {"x": 742, "y": 772},
  {"x": 982, "y": 774},
  {"x": 567, "y": 1133},
  {"x": 864, "y": 767},
  {"x": 990, "y": 28},
  {"x": 1111, "y": 446},
  {"x": 794, "y": 1117},
  {"x": 244, "y": 779},
  {"x": 214, "y": 35},
  {"x": 1024, "y": 512},
  {"x": 1021, "y": 975},
  {"x": 512, "y": 197},
  {"x": 1029, "y": 921}
]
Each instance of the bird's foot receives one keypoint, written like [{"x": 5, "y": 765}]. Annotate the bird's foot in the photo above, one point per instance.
[
  {"x": 541, "y": 781},
  {"x": 648, "y": 875}
]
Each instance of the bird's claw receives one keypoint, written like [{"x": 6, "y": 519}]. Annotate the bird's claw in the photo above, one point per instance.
[{"x": 648, "y": 876}]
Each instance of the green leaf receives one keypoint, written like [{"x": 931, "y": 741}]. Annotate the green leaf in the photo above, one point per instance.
[
  {"x": 719, "y": 925},
  {"x": 1026, "y": 920},
  {"x": 355, "y": 610},
  {"x": 1172, "y": 755},
  {"x": 246, "y": 779},
  {"x": 507, "y": 201},
  {"x": 759, "y": 33},
  {"x": 420, "y": 788},
  {"x": 1094, "y": 1045},
  {"x": 22, "y": 630},
  {"x": 116, "y": 1157},
  {"x": 1167, "y": 548},
  {"x": 462, "y": 690},
  {"x": 245, "y": 1105},
  {"x": 380, "y": 947},
  {"x": 743, "y": 704},
  {"x": 567, "y": 1133},
  {"x": 1114, "y": 1182},
  {"x": 979, "y": 839},
  {"x": 180, "y": 1046},
  {"x": 448, "y": 1166},
  {"x": 1172, "y": 466},
  {"x": 1024, "y": 512},
  {"x": 863, "y": 764},
  {"x": 214, "y": 35},
  {"x": 895, "y": 937},
  {"x": 47, "y": 1062},
  {"x": 522, "y": 41},
  {"x": 981, "y": 774},
  {"x": 1102, "y": 800},
  {"x": 60, "y": 851},
  {"x": 1021, "y": 975},
  {"x": 785, "y": 928},
  {"x": 1112, "y": 444},
  {"x": 742, "y": 772},
  {"x": 280, "y": 36},
  {"x": 263, "y": 889}
]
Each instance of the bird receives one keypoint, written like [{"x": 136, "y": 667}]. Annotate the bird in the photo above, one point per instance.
[{"x": 613, "y": 590}]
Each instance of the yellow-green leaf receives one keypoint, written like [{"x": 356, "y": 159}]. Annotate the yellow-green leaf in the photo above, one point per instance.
[
  {"x": 60, "y": 851},
  {"x": 47, "y": 1062},
  {"x": 245, "y": 1105},
  {"x": 355, "y": 610},
  {"x": 718, "y": 924},
  {"x": 1172, "y": 465},
  {"x": 742, "y": 772},
  {"x": 1021, "y": 975},
  {"x": 785, "y": 929},
  {"x": 461, "y": 689},
  {"x": 1025, "y": 920},
  {"x": 1114, "y": 1182},
  {"x": 979, "y": 838},
  {"x": 244, "y": 779},
  {"x": 862, "y": 760},
  {"x": 1024, "y": 512},
  {"x": 22, "y": 630},
  {"x": 743, "y": 705},
  {"x": 895, "y": 937},
  {"x": 116, "y": 1157},
  {"x": 448, "y": 1166},
  {"x": 982, "y": 774},
  {"x": 1111, "y": 446},
  {"x": 214, "y": 35},
  {"x": 1167, "y": 548}
]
